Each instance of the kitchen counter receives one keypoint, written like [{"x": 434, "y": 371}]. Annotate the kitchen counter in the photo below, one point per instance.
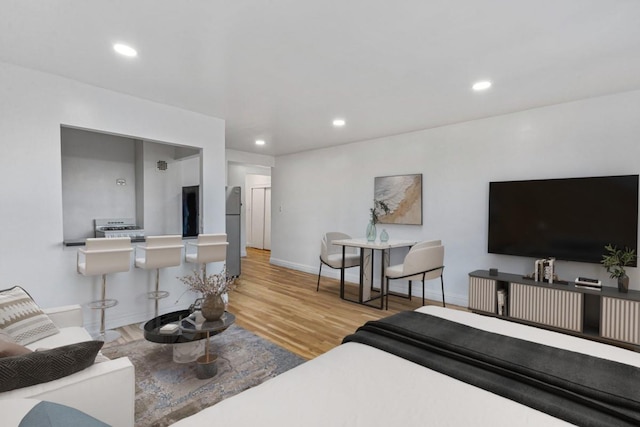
[{"x": 80, "y": 242}]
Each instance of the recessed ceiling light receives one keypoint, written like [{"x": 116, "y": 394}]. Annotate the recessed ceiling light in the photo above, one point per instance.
[
  {"x": 338, "y": 122},
  {"x": 125, "y": 50},
  {"x": 259, "y": 142},
  {"x": 483, "y": 85}
]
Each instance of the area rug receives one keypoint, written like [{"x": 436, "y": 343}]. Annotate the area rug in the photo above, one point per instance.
[{"x": 167, "y": 391}]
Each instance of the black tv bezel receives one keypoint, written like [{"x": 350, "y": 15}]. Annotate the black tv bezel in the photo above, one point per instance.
[{"x": 564, "y": 258}]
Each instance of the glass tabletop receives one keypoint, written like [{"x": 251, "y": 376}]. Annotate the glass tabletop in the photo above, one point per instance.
[
  {"x": 183, "y": 326},
  {"x": 196, "y": 323}
]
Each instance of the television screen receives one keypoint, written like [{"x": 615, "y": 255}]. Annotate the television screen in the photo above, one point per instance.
[{"x": 569, "y": 219}]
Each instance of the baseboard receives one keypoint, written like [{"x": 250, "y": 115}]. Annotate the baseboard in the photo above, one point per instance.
[{"x": 395, "y": 285}]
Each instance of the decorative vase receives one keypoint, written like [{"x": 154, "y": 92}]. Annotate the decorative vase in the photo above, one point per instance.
[
  {"x": 623, "y": 283},
  {"x": 384, "y": 236},
  {"x": 372, "y": 233},
  {"x": 212, "y": 307}
]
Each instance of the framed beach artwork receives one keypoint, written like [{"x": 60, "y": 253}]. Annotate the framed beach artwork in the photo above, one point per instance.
[{"x": 403, "y": 195}]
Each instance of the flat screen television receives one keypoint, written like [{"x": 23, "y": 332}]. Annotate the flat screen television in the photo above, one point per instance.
[{"x": 569, "y": 219}]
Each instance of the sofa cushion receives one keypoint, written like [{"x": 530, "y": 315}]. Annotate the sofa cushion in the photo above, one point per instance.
[
  {"x": 47, "y": 365},
  {"x": 66, "y": 336},
  {"x": 21, "y": 317}
]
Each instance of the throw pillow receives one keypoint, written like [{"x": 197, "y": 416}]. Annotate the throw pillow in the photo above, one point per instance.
[
  {"x": 6, "y": 337},
  {"x": 49, "y": 414},
  {"x": 48, "y": 365},
  {"x": 8, "y": 349},
  {"x": 21, "y": 317}
]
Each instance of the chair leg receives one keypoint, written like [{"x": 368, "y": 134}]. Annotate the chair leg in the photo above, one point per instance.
[
  {"x": 157, "y": 291},
  {"x": 103, "y": 304},
  {"x": 410, "y": 290},
  {"x": 386, "y": 295},
  {"x": 104, "y": 297},
  {"x": 319, "y": 271},
  {"x": 442, "y": 284}
]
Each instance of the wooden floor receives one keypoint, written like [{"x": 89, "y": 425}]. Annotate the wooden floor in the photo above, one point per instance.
[{"x": 282, "y": 306}]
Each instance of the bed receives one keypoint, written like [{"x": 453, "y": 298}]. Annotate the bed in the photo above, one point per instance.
[{"x": 357, "y": 384}]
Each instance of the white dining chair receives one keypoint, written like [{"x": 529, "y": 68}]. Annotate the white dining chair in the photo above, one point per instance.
[
  {"x": 331, "y": 255},
  {"x": 426, "y": 262}
]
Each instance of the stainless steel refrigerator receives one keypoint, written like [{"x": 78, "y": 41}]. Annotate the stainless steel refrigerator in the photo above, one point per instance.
[{"x": 233, "y": 230}]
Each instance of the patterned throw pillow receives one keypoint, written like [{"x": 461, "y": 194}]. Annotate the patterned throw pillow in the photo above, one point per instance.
[
  {"x": 21, "y": 317},
  {"x": 4, "y": 336},
  {"x": 47, "y": 365}
]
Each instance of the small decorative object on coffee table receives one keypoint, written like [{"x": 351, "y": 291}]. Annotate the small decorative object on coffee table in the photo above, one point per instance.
[{"x": 212, "y": 287}]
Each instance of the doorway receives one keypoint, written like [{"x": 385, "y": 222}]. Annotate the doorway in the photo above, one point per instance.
[{"x": 260, "y": 218}]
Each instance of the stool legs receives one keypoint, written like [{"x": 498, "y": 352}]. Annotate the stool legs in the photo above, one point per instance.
[
  {"x": 102, "y": 304},
  {"x": 157, "y": 295},
  {"x": 102, "y": 309}
]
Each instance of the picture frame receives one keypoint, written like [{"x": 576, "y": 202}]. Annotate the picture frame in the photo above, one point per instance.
[{"x": 403, "y": 196}]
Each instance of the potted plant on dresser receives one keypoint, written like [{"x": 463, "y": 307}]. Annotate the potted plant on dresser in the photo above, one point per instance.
[{"x": 615, "y": 260}]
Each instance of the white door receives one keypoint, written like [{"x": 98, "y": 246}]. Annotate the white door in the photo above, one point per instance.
[
  {"x": 257, "y": 218},
  {"x": 267, "y": 218},
  {"x": 260, "y": 223}
]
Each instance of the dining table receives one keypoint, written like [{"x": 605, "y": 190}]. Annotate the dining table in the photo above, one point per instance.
[{"x": 367, "y": 292}]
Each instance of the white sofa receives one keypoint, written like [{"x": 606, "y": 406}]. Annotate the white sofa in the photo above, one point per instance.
[{"x": 105, "y": 390}]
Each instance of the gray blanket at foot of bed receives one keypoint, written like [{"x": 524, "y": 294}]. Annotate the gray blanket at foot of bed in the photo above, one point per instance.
[{"x": 577, "y": 388}]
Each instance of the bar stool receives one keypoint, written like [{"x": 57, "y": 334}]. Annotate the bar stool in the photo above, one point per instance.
[
  {"x": 102, "y": 256},
  {"x": 208, "y": 248},
  {"x": 159, "y": 252}
]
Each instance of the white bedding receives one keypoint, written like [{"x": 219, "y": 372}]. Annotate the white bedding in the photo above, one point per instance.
[{"x": 358, "y": 385}]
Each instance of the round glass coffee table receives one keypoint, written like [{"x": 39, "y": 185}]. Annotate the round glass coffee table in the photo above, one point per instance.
[{"x": 188, "y": 332}]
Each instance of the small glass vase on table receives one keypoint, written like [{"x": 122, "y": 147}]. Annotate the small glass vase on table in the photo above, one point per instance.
[{"x": 372, "y": 232}]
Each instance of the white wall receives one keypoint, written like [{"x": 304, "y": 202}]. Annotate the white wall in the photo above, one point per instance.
[
  {"x": 162, "y": 190},
  {"x": 190, "y": 171},
  {"x": 34, "y": 106},
  {"x": 91, "y": 164},
  {"x": 332, "y": 189}
]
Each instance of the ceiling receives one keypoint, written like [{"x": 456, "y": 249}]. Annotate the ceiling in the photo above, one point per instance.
[{"x": 282, "y": 70}]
